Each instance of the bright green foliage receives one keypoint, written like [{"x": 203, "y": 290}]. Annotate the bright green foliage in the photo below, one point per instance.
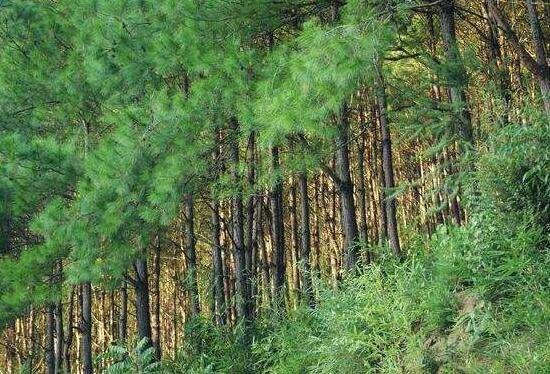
[
  {"x": 471, "y": 299},
  {"x": 140, "y": 359},
  {"x": 308, "y": 79},
  {"x": 108, "y": 115}
]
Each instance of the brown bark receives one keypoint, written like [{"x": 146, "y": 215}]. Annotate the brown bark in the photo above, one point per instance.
[
  {"x": 241, "y": 284},
  {"x": 70, "y": 333},
  {"x": 143, "y": 312},
  {"x": 49, "y": 347},
  {"x": 156, "y": 328},
  {"x": 123, "y": 314},
  {"x": 305, "y": 241},
  {"x": 462, "y": 122},
  {"x": 539, "y": 68},
  {"x": 540, "y": 52},
  {"x": 345, "y": 187},
  {"x": 387, "y": 162},
  {"x": 217, "y": 262},
  {"x": 86, "y": 328},
  {"x": 278, "y": 239},
  {"x": 191, "y": 256}
]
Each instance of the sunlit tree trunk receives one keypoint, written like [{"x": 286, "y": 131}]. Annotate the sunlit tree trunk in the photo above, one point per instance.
[
  {"x": 387, "y": 162},
  {"x": 156, "y": 328},
  {"x": 278, "y": 239},
  {"x": 86, "y": 328},
  {"x": 540, "y": 52},
  {"x": 191, "y": 256},
  {"x": 49, "y": 347},
  {"x": 241, "y": 286},
  {"x": 305, "y": 241},
  {"x": 143, "y": 313}
]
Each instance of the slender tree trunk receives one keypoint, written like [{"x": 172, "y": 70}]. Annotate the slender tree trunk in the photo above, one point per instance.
[
  {"x": 249, "y": 223},
  {"x": 217, "y": 261},
  {"x": 387, "y": 162},
  {"x": 59, "y": 336},
  {"x": 361, "y": 190},
  {"x": 241, "y": 285},
  {"x": 278, "y": 235},
  {"x": 540, "y": 52},
  {"x": 295, "y": 240},
  {"x": 123, "y": 313},
  {"x": 463, "y": 125},
  {"x": 49, "y": 346},
  {"x": 220, "y": 308},
  {"x": 156, "y": 300},
  {"x": 191, "y": 254},
  {"x": 70, "y": 333},
  {"x": 317, "y": 245},
  {"x": 86, "y": 328},
  {"x": 345, "y": 187},
  {"x": 143, "y": 313},
  {"x": 540, "y": 71},
  {"x": 502, "y": 75},
  {"x": 305, "y": 241}
]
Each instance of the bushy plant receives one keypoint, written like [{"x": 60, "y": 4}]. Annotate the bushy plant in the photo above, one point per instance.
[{"x": 141, "y": 359}]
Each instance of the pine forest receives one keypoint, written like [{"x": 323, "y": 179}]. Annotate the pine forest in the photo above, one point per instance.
[{"x": 274, "y": 186}]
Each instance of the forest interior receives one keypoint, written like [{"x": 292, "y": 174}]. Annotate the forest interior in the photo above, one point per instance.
[{"x": 274, "y": 186}]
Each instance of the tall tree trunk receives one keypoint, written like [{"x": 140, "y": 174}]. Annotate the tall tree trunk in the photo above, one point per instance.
[
  {"x": 123, "y": 313},
  {"x": 345, "y": 187},
  {"x": 143, "y": 312},
  {"x": 58, "y": 321},
  {"x": 249, "y": 229},
  {"x": 463, "y": 125},
  {"x": 156, "y": 299},
  {"x": 387, "y": 162},
  {"x": 278, "y": 233},
  {"x": 86, "y": 328},
  {"x": 241, "y": 284},
  {"x": 361, "y": 190},
  {"x": 217, "y": 261},
  {"x": 540, "y": 71},
  {"x": 219, "y": 299},
  {"x": 70, "y": 333},
  {"x": 498, "y": 64},
  {"x": 59, "y": 336},
  {"x": 305, "y": 241},
  {"x": 540, "y": 52},
  {"x": 49, "y": 345},
  {"x": 295, "y": 240},
  {"x": 191, "y": 254}
]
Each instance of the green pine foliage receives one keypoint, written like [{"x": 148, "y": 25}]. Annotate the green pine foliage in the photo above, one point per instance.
[
  {"x": 109, "y": 114},
  {"x": 470, "y": 299}
]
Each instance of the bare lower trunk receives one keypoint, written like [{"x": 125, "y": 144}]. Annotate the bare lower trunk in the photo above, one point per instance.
[
  {"x": 123, "y": 314},
  {"x": 86, "y": 328},
  {"x": 345, "y": 187},
  {"x": 49, "y": 344},
  {"x": 217, "y": 264},
  {"x": 387, "y": 163},
  {"x": 59, "y": 337},
  {"x": 143, "y": 313},
  {"x": 305, "y": 242},
  {"x": 156, "y": 299},
  {"x": 241, "y": 284},
  {"x": 539, "y": 43},
  {"x": 191, "y": 254},
  {"x": 69, "y": 340},
  {"x": 278, "y": 239},
  {"x": 463, "y": 125}
]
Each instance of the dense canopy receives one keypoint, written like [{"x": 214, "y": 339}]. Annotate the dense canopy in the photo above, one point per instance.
[{"x": 274, "y": 186}]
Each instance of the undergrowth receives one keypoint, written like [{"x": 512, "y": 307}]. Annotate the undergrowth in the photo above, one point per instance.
[{"x": 471, "y": 299}]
